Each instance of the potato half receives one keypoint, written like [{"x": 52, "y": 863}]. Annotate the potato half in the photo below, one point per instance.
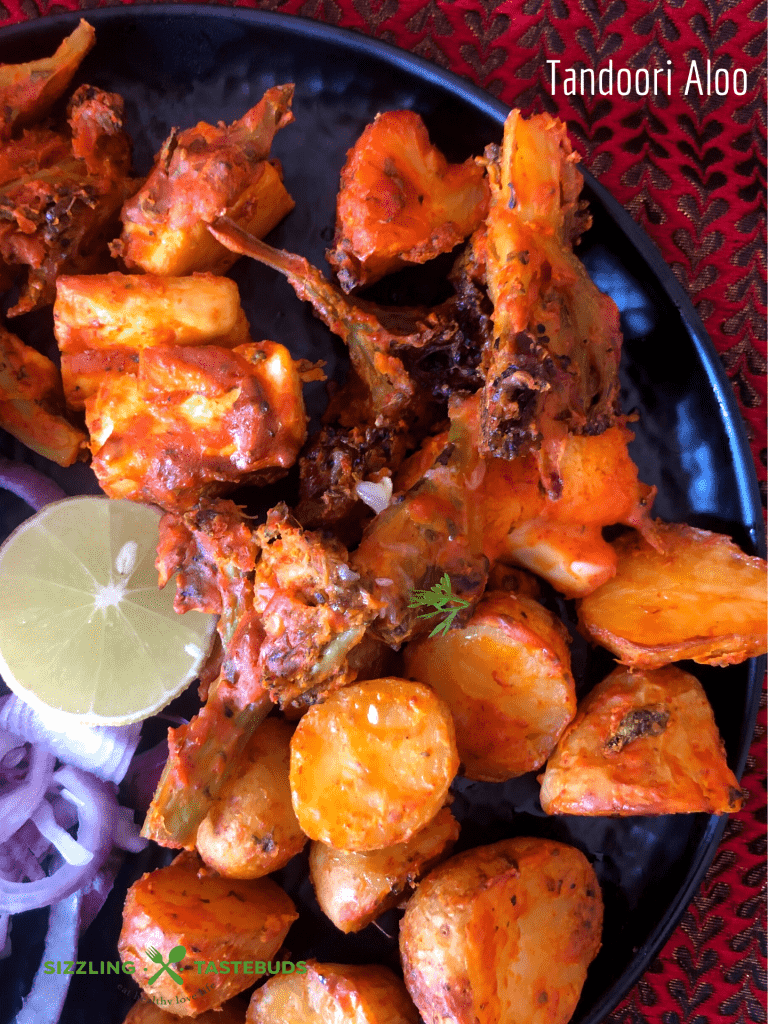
[
  {"x": 372, "y": 764},
  {"x": 502, "y": 934},
  {"x": 506, "y": 677},
  {"x": 333, "y": 994},
  {"x": 354, "y": 889},
  {"x": 182, "y": 908},
  {"x": 700, "y": 597},
  {"x": 251, "y": 829},
  {"x": 641, "y": 743}
]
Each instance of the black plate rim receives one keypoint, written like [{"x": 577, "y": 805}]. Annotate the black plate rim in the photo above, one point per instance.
[{"x": 748, "y": 491}]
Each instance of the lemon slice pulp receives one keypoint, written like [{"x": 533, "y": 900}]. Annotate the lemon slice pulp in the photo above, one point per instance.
[{"x": 84, "y": 628}]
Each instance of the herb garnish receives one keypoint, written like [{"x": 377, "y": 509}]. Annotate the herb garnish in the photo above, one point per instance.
[{"x": 442, "y": 599}]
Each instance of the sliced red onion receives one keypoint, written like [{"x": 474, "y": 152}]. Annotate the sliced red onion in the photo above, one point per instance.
[
  {"x": 29, "y": 484},
  {"x": 45, "y": 1001},
  {"x": 105, "y": 751},
  {"x": 69, "y": 848},
  {"x": 17, "y": 804},
  {"x": 99, "y": 826}
]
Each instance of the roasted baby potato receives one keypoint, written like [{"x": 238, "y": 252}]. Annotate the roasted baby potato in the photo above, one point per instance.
[
  {"x": 506, "y": 677},
  {"x": 643, "y": 742},
  {"x": 400, "y": 201},
  {"x": 147, "y": 1012},
  {"x": 386, "y": 771},
  {"x": 103, "y": 321},
  {"x": 502, "y": 934},
  {"x": 252, "y": 830},
  {"x": 32, "y": 403},
  {"x": 354, "y": 889},
  {"x": 698, "y": 596},
  {"x": 212, "y": 918},
  {"x": 196, "y": 422},
  {"x": 199, "y": 174},
  {"x": 333, "y": 994}
]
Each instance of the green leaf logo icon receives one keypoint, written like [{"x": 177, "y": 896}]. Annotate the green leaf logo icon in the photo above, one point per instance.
[{"x": 175, "y": 956}]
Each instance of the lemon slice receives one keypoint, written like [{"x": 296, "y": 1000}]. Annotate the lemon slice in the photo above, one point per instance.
[{"x": 84, "y": 628}]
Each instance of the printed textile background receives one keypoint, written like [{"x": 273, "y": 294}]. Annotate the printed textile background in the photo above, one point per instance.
[{"x": 691, "y": 170}]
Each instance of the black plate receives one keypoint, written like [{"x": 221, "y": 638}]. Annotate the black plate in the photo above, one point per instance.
[{"x": 177, "y": 65}]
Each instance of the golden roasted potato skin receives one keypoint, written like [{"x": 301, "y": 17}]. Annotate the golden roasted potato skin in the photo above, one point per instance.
[
  {"x": 372, "y": 764},
  {"x": 699, "y": 596},
  {"x": 213, "y": 918},
  {"x": 252, "y": 830},
  {"x": 354, "y": 889},
  {"x": 507, "y": 679},
  {"x": 502, "y": 934},
  {"x": 333, "y": 994},
  {"x": 147, "y": 1012},
  {"x": 643, "y": 742}
]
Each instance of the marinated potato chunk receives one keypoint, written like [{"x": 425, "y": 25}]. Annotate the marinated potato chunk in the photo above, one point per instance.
[
  {"x": 560, "y": 538},
  {"x": 214, "y": 919},
  {"x": 32, "y": 403},
  {"x": 27, "y": 91},
  {"x": 502, "y": 934},
  {"x": 507, "y": 679},
  {"x": 103, "y": 321},
  {"x": 401, "y": 201},
  {"x": 641, "y": 743},
  {"x": 354, "y": 889},
  {"x": 372, "y": 764},
  {"x": 196, "y": 422},
  {"x": 252, "y": 830},
  {"x": 699, "y": 597},
  {"x": 147, "y": 1012},
  {"x": 333, "y": 994}
]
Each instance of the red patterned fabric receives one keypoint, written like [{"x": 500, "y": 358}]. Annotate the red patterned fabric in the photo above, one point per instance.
[{"x": 691, "y": 170}]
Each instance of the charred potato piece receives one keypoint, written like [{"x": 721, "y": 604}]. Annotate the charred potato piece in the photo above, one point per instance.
[
  {"x": 196, "y": 422},
  {"x": 507, "y": 679},
  {"x": 354, "y": 889},
  {"x": 32, "y": 403},
  {"x": 212, "y": 918},
  {"x": 252, "y": 830},
  {"x": 641, "y": 743},
  {"x": 199, "y": 174},
  {"x": 147, "y": 1012},
  {"x": 333, "y": 994},
  {"x": 103, "y": 321},
  {"x": 400, "y": 201},
  {"x": 502, "y": 934},
  {"x": 699, "y": 597},
  {"x": 387, "y": 771}
]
